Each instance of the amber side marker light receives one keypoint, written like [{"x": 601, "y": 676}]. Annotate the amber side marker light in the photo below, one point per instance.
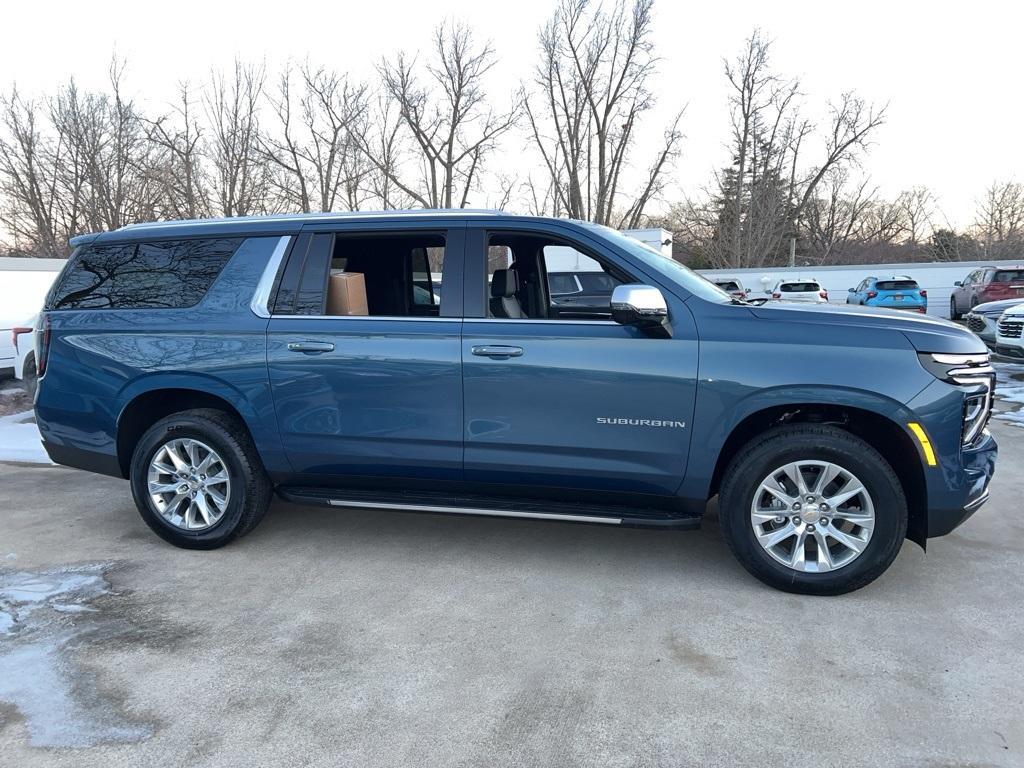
[{"x": 926, "y": 444}]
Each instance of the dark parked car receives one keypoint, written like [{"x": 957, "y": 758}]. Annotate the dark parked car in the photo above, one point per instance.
[
  {"x": 983, "y": 285},
  {"x": 216, "y": 363}
]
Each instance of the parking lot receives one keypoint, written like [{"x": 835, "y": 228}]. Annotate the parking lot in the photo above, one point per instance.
[{"x": 381, "y": 638}]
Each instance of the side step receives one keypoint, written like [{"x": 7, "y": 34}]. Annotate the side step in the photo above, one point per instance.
[{"x": 533, "y": 509}]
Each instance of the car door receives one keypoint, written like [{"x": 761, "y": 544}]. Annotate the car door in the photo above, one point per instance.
[
  {"x": 376, "y": 394},
  {"x": 857, "y": 295},
  {"x": 964, "y": 293},
  {"x": 569, "y": 400}
]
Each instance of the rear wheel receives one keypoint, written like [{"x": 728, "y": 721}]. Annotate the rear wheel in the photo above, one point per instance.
[
  {"x": 197, "y": 479},
  {"x": 29, "y": 377},
  {"x": 813, "y": 509}
]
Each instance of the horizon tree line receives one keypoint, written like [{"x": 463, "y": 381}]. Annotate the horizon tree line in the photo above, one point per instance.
[{"x": 424, "y": 132}]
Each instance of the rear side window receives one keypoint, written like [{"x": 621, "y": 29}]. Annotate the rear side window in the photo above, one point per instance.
[
  {"x": 560, "y": 284},
  {"x": 1009, "y": 276},
  {"x": 896, "y": 285},
  {"x": 799, "y": 287},
  {"x": 168, "y": 274}
]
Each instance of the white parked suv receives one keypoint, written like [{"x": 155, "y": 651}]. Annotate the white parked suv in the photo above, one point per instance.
[
  {"x": 800, "y": 289},
  {"x": 23, "y": 339},
  {"x": 1010, "y": 333}
]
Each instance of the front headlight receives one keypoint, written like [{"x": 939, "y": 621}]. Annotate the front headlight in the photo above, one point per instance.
[{"x": 969, "y": 371}]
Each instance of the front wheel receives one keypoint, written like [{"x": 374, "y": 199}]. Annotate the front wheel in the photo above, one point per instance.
[
  {"x": 953, "y": 314},
  {"x": 812, "y": 509},
  {"x": 197, "y": 479}
]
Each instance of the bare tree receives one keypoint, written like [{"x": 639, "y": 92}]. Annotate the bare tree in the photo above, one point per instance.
[
  {"x": 178, "y": 163},
  {"x": 433, "y": 154},
  {"x": 592, "y": 87},
  {"x": 847, "y": 216},
  {"x": 108, "y": 152},
  {"x": 758, "y": 201},
  {"x": 917, "y": 206},
  {"x": 312, "y": 145},
  {"x": 1000, "y": 220},
  {"x": 30, "y": 201},
  {"x": 241, "y": 179}
]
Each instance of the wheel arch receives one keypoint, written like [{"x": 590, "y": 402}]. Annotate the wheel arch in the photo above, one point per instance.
[
  {"x": 156, "y": 398},
  {"x": 884, "y": 433}
]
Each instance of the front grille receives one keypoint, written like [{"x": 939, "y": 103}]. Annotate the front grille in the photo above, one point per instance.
[
  {"x": 976, "y": 323},
  {"x": 1011, "y": 329}
]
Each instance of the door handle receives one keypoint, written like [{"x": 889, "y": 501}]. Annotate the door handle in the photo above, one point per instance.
[
  {"x": 500, "y": 351},
  {"x": 310, "y": 347}
]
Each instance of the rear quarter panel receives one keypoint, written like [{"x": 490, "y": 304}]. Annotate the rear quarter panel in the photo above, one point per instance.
[{"x": 100, "y": 360}]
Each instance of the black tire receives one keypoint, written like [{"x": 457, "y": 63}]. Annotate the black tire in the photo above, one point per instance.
[
  {"x": 782, "y": 445},
  {"x": 953, "y": 314},
  {"x": 29, "y": 378},
  {"x": 251, "y": 490}
]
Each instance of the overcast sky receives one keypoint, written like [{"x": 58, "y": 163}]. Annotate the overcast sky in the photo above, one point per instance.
[{"x": 950, "y": 72}]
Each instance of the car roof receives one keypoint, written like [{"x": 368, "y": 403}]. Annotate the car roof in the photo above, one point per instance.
[
  {"x": 796, "y": 280},
  {"x": 291, "y": 223}
]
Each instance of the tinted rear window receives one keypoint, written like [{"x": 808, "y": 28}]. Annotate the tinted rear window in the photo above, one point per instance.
[
  {"x": 1009, "y": 276},
  {"x": 597, "y": 282},
  {"x": 799, "y": 287},
  {"x": 728, "y": 285},
  {"x": 169, "y": 274},
  {"x": 896, "y": 285},
  {"x": 559, "y": 284}
]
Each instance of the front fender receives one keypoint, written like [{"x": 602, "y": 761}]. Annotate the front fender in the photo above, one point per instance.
[{"x": 721, "y": 411}]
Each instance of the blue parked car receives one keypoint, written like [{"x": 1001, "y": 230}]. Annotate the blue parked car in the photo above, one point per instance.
[
  {"x": 214, "y": 364},
  {"x": 896, "y": 292}
]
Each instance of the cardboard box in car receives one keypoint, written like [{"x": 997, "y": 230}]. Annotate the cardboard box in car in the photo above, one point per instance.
[{"x": 346, "y": 293}]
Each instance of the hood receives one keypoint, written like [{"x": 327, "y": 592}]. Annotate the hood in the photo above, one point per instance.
[
  {"x": 925, "y": 333},
  {"x": 1016, "y": 310},
  {"x": 996, "y": 307}
]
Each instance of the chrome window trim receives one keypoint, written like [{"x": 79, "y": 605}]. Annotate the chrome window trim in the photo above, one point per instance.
[
  {"x": 413, "y": 318},
  {"x": 260, "y": 304},
  {"x": 410, "y": 318},
  {"x": 540, "y": 321}
]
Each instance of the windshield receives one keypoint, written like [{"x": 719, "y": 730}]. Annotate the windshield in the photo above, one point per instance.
[{"x": 668, "y": 268}]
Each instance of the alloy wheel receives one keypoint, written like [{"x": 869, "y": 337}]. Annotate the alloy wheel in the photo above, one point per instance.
[
  {"x": 188, "y": 484},
  {"x": 812, "y": 516}
]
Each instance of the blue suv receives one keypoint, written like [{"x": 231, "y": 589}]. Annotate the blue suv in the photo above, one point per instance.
[
  {"x": 418, "y": 361},
  {"x": 897, "y": 292}
]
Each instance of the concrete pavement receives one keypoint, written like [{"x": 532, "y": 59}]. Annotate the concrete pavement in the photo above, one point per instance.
[{"x": 329, "y": 637}]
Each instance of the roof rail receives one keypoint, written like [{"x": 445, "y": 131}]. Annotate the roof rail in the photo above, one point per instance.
[{"x": 325, "y": 216}]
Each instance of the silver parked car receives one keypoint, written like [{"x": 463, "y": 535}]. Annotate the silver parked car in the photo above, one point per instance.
[{"x": 982, "y": 318}]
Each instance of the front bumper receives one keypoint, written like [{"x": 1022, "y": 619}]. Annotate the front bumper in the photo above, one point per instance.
[
  {"x": 970, "y": 492},
  {"x": 957, "y": 486}
]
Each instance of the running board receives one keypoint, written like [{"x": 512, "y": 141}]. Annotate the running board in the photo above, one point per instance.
[{"x": 533, "y": 509}]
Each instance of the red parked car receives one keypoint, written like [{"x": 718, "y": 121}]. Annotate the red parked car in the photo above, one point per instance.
[{"x": 986, "y": 284}]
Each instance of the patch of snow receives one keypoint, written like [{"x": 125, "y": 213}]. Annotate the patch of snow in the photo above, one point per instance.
[
  {"x": 19, "y": 439},
  {"x": 44, "y": 615},
  {"x": 1014, "y": 417},
  {"x": 11, "y": 391}
]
